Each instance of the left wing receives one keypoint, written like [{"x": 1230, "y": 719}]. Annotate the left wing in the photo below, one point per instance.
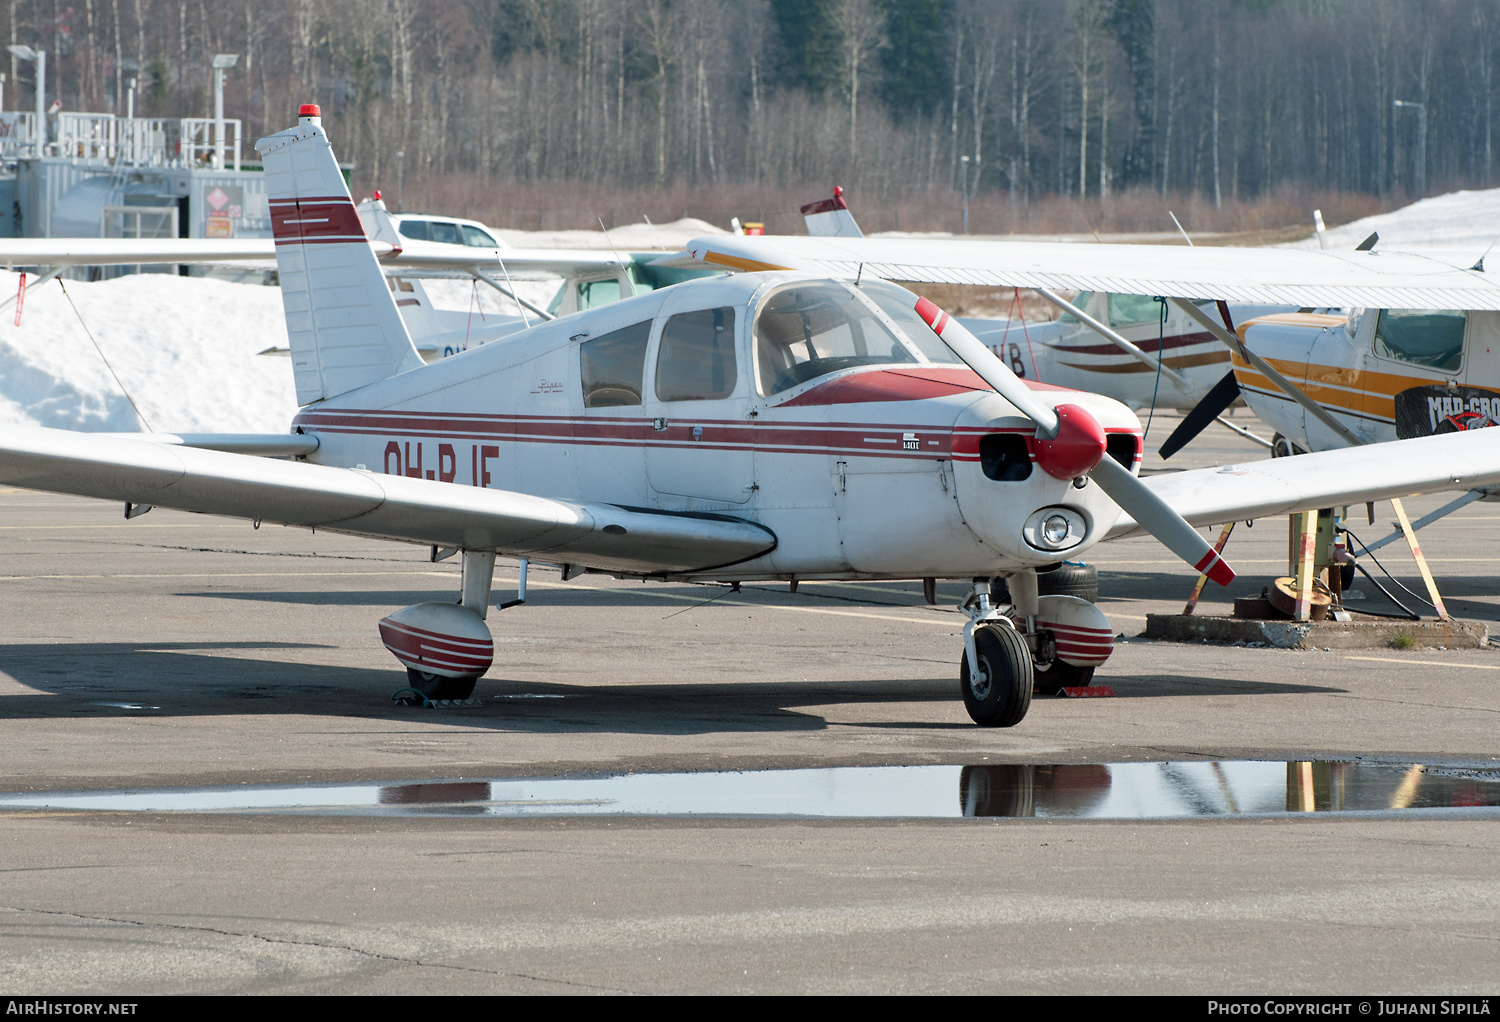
[
  {"x": 368, "y": 504},
  {"x": 127, "y": 251},
  {"x": 1297, "y": 277},
  {"x": 1279, "y": 486},
  {"x": 116, "y": 251}
]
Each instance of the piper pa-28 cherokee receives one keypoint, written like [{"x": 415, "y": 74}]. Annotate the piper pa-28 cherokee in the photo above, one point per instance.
[{"x": 762, "y": 426}]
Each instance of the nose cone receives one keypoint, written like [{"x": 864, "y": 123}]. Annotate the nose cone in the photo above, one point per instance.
[{"x": 1078, "y": 446}]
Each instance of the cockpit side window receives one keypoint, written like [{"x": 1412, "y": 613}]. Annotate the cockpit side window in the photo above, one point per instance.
[
  {"x": 612, "y": 366},
  {"x": 593, "y": 293},
  {"x": 1424, "y": 337},
  {"x": 476, "y": 238},
  {"x": 810, "y": 330},
  {"x": 696, "y": 360}
]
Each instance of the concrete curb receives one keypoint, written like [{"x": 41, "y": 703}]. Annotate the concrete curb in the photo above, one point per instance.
[{"x": 1317, "y": 634}]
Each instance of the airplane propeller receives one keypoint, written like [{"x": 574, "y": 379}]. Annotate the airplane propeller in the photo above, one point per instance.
[
  {"x": 1070, "y": 443},
  {"x": 1213, "y": 405}
]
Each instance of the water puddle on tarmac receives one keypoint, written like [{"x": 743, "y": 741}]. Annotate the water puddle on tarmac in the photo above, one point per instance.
[{"x": 1106, "y": 791}]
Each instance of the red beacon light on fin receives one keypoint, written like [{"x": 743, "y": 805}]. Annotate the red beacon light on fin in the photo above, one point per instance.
[
  {"x": 377, "y": 195},
  {"x": 309, "y": 110}
]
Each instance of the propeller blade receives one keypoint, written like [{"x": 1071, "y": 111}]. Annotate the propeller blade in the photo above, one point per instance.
[
  {"x": 1157, "y": 517},
  {"x": 1211, "y": 407},
  {"x": 1066, "y": 439},
  {"x": 990, "y": 369}
]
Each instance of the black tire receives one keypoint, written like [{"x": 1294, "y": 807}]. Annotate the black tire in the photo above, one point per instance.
[
  {"x": 1002, "y": 701},
  {"x": 1059, "y": 674},
  {"x": 435, "y": 686},
  {"x": 1069, "y": 579}
]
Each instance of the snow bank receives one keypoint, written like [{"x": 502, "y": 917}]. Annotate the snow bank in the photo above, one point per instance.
[
  {"x": 1458, "y": 220},
  {"x": 184, "y": 347}
]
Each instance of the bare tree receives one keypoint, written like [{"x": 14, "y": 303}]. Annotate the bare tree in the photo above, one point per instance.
[
  {"x": 861, "y": 28},
  {"x": 1085, "y": 55}
]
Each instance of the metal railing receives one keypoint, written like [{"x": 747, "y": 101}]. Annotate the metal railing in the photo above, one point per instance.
[
  {"x": 132, "y": 141},
  {"x": 17, "y": 134},
  {"x": 198, "y": 146}
]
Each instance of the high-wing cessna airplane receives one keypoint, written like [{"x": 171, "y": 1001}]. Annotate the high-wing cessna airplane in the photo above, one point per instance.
[
  {"x": 775, "y": 425},
  {"x": 1125, "y": 346}
]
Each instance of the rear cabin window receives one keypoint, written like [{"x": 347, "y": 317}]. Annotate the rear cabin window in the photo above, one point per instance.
[
  {"x": 613, "y": 365},
  {"x": 416, "y": 230},
  {"x": 1081, "y": 303},
  {"x": 1424, "y": 337},
  {"x": 811, "y": 330},
  {"x": 1127, "y": 310},
  {"x": 696, "y": 358}
]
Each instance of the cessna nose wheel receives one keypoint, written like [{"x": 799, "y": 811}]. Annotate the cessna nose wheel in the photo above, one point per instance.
[{"x": 999, "y": 693}]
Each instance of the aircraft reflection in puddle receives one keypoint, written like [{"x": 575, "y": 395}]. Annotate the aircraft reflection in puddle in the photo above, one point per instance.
[{"x": 1113, "y": 791}]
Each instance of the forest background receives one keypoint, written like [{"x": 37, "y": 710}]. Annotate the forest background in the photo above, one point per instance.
[{"x": 1074, "y": 115}]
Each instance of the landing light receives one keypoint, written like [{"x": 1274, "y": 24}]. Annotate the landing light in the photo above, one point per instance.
[{"x": 1055, "y": 528}]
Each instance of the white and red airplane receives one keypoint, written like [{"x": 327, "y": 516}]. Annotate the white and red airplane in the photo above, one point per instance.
[{"x": 763, "y": 426}]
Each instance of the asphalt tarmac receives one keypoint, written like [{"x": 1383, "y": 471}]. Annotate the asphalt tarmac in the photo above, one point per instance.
[{"x": 176, "y": 650}]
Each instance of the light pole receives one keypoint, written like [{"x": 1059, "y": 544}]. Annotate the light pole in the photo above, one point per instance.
[
  {"x": 23, "y": 52},
  {"x": 964, "y": 164},
  {"x": 1421, "y": 143},
  {"x": 222, "y": 62}
]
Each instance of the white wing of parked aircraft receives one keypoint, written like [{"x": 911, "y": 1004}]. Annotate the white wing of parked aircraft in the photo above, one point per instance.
[
  {"x": 1310, "y": 279},
  {"x": 428, "y": 256}
]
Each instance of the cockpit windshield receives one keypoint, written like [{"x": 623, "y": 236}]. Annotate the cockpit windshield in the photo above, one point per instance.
[{"x": 809, "y": 330}]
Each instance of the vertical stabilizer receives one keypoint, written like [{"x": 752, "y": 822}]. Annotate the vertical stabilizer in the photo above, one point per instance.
[
  {"x": 830, "y": 218},
  {"x": 343, "y": 326}
]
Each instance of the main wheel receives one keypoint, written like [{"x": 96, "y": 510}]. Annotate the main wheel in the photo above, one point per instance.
[
  {"x": 1004, "y": 696},
  {"x": 436, "y": 686},
  {"x": 1054, "y": 677}
]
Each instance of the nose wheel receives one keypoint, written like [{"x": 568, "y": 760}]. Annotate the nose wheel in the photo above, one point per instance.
[{"x": 998, "y": 693}]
